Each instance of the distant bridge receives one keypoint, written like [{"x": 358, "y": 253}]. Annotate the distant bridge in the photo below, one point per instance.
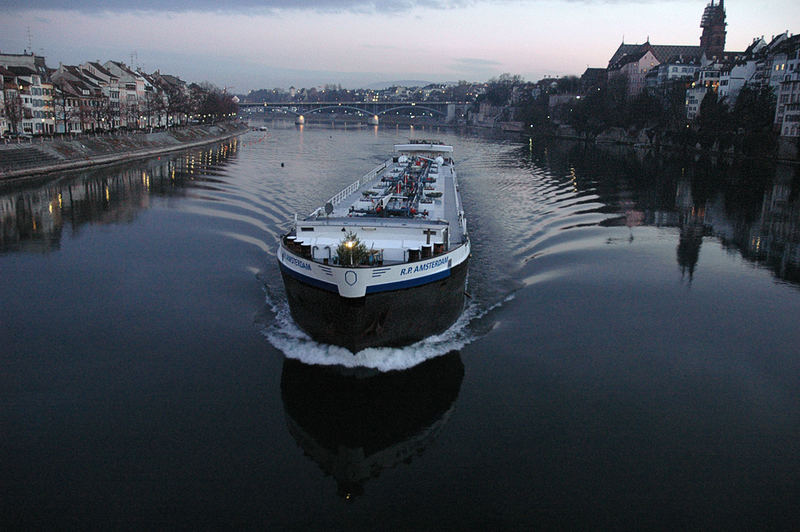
[{"x": 371, "y": 110}]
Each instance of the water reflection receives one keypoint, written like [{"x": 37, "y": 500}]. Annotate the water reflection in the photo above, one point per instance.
[
  {"x": 32, "y": 218},
  {"x": 356, "y": 425},
  {"x": 691, "y": 221},
  {"x": 751, "y": 206}
]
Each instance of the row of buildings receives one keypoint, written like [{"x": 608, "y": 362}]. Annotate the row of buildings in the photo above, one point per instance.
[
  {"x": 430, "y": 92},
  {"x": 708, "y": 67},
  {"x": 37, "y": 100}
]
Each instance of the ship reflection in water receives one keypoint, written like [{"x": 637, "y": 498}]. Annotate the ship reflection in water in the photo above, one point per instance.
[{"x": 355, "y": 426}]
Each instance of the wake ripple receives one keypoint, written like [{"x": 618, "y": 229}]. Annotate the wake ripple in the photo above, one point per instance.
[{"x": 282, "y": 332}]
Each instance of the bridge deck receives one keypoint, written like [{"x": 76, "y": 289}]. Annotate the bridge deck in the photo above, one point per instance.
[{"x": 368, "y": 108}]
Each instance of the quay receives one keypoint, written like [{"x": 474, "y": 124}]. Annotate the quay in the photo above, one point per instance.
[{"x": 31, "y": 158}]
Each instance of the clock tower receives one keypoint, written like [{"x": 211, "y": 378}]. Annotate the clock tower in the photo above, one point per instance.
[{"x": 713, "y": 23}]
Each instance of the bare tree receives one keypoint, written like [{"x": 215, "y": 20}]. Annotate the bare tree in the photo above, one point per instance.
[
  {"x": 159, "y": 106},
  {"x": 130, "y": 110},
  {"x": 84, "y": 113},
  {"x": 61, "y": 105},
  {"x": 150, "y": 105},
  {"x": 107, "y": 112},
  {"x": 177, "y": 105},
  {"x": 15, "y": 111}
]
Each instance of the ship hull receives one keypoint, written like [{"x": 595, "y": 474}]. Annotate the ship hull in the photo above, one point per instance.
[{"x": 385, "y": 319}]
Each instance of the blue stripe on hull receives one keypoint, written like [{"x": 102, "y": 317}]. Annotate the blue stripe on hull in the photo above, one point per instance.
[
  {"x": 330, "y": 287},
  {"x": 399, "y": 285}
]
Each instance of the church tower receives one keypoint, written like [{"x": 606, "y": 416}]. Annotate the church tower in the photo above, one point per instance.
[{"x": 713, "y": 24}]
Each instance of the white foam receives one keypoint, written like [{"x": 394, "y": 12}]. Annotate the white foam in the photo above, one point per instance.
[{"x": 285, "y": 335}]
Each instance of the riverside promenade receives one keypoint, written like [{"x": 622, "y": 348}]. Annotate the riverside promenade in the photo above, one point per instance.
[{"x": 29, "y": 159}]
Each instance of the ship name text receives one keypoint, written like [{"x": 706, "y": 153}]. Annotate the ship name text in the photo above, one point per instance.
[
  {"x": 297, "y": 262},
  {"x": 424, "y": 267}
]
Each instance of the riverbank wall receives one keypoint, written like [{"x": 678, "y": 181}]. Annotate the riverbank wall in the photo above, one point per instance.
[{"x": 29, "y": 159}]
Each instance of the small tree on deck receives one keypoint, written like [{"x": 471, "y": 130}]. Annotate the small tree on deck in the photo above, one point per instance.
[{"x": 352, "y": 251}]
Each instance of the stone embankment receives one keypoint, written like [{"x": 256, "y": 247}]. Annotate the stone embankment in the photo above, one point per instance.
[{"x": 41, "y": 156}]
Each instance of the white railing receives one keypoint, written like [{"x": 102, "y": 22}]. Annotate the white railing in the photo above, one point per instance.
[{"x": 337, "y": 198}]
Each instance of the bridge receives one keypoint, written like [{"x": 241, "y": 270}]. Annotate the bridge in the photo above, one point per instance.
[{"x": 370, "y": 110}]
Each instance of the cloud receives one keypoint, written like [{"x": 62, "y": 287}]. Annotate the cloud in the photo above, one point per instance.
[
  {"x": 361, "y": 6},
  {"x": 474, "y": 64},
  {"x": 371, "y": 46},
  {"x": 234, "y": 6},
  {"x": 470, "y": 62}
]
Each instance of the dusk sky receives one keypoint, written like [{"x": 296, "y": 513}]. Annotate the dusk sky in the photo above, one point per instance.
[{"x": 248, "y": 45}]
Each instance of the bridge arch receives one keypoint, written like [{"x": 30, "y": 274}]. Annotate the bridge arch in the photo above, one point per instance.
[
  {"x": 409, "y": 106},
  {"x": 325, "y": 108}
]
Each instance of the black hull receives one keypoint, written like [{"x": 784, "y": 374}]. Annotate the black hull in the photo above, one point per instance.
[{"x": 385, "y": 319}]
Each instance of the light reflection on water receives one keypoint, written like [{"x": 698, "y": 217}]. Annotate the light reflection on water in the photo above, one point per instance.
[
  {"x": 33, "y": 217},
  {"x": 631, "y": 330},
  {"x": 529, "y": 207}
]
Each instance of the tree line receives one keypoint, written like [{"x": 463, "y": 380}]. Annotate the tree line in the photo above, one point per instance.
[{"x": 744, "y": 126}]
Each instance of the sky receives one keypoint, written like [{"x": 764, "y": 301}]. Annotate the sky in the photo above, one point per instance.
[{"x": 249, "y": 44}]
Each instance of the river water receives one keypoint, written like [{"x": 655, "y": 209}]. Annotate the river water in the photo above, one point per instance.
[{"x": 629, "y": 356}]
